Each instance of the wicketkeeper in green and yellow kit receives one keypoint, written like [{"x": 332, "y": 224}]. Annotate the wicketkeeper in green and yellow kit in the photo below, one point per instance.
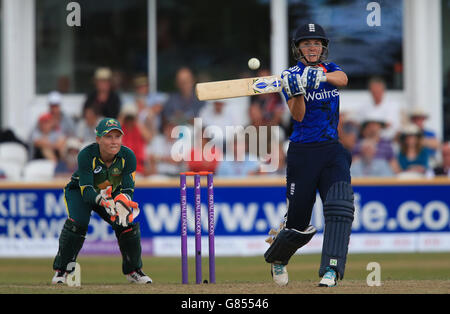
[{"x": 104, "y": 183}]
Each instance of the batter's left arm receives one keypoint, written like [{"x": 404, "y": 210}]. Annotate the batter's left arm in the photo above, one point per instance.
[{"x": 337, "y": 78}]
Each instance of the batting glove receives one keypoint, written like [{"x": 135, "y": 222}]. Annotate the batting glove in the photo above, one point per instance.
[
  {"x": 312, "y": 76},
  {"x": 273, "y": 233},
  {"x": 292, "y": 84},
  {"x": 127, "y": 210},
  {"x": 105, "y": 200}
]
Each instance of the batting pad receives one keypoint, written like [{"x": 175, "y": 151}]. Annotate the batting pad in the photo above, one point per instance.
[
  {"x": 338, "y": 211},
  {"x": 287, "y": 242}
]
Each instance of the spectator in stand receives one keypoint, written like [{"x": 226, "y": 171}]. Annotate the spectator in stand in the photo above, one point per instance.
[
  {"x": 85, "y": 129},
  {"x": 348, "y": 132},
  {"x": 217, "y": 115},
  {"x": 368, "y": 165},
  {"x": 136, "y": 136},
  {"x": 371, "y": 129},
  {"x": 159, "y": 152},
  {"x": 183, "y": 106},
  {"x": 47, "y": 141},
  {"x": 381, "y": 106},
  {"x": 413, "y": 157},
  {"x": 243, "y": 163},
  {"x": 140, "y": 99},
  {"x": 149, "y": 105},
  {"x": 418, "y": 116},
  {"x": 105, "y": 101},
  {"x": 444, "y": 168},
  {"x": 281, "y": 162},
  {"x": 154, "y": 117},
  {"x": 68, "y": 164},
  {"x": 266, "y": 109},
  {"x": 62, "y": 121},
  {"x": 205, "y": 159}
]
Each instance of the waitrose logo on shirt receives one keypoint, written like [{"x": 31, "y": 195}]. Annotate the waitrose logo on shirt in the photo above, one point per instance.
[{"x": 323, "y": 94}]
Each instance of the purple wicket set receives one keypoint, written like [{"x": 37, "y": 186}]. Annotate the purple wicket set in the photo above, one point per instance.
[{"x": 198, "y": 226}]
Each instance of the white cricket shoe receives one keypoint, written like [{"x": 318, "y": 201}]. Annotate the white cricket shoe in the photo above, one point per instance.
[
  {"x": 329, "y": 279},
  {"x": 60, "y": 277},
  {"x": 279, "y": 274},
  {"x": 138, "y": 277}
]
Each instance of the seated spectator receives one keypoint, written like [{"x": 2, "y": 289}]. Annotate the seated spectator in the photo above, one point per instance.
[
  {"x": 368, "y": 165},
  {"x": 348, "y": 134},
  {"x": 85, "y": 128},
  {"x": 383, "y": 107},
  {"x": 183, "y": 106},
  {"x": 242, "y": 164},
  {"x": 46, "y": 141},
  {"x": 280, "y": 162},
  {"x": 430, "y": 141},
  {"x": 207, "y": 159},
  {"x": 135, "y": 137},
  {"x": 413, "y": 157},
  {"x": 159, "y": 154},
  {"x": 103, "y": 99},
  {"x": 153, "y": 119},
  {"x": 150, "y": 105},
  {"x": 68, "y": 164},
  {"x": 371, "y": 129},
  {"x": 444, "y": 168},
  {"x": 62, "y": 121},
  {"x": 217, "y": 115}
]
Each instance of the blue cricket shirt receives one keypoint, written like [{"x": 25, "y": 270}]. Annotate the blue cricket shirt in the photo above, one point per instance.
[{"x": 322, "y": 110}]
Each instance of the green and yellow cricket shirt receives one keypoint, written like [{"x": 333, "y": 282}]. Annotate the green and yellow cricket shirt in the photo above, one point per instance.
[{"x": 93, "y": 175}]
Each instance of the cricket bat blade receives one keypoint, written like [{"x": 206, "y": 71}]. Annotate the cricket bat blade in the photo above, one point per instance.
[{"x": 238, "y": 88}]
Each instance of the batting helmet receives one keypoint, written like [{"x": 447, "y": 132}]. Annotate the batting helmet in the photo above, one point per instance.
[{"x": 309, "y": 31}]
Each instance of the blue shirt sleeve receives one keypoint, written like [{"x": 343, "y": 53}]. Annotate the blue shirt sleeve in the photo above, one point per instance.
[{"x": 332, "y": 67}]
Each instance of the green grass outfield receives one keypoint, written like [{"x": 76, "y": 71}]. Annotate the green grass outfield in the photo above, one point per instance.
[{"x": 400, "y": 273}]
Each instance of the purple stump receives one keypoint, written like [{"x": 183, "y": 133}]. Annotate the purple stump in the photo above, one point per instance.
[
  {"x": 198, "y": 230},
  {"x": 183, "y": 210},
  {"x": 212, "y": 262}
]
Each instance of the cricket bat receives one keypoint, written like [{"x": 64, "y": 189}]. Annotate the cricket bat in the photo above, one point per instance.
[{"x": 238, "y": 88}]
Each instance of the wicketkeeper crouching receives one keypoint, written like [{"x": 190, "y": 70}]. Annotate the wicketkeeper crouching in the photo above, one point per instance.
[{"x": 104, "y": 183}]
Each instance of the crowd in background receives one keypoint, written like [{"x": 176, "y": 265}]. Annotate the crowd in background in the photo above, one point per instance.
[{"x": 385, "y": 140}]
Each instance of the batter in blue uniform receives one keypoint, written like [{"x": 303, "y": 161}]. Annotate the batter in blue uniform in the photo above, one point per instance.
[{"x": 316, "y": 161}]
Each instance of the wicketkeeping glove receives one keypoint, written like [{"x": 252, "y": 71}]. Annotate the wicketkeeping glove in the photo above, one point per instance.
[
  {"x": 292, "y": 84},
  {"x": 127, "y": 210},
  {"x": 311, "y": 77},
  {"x": 105, "y": 200}
]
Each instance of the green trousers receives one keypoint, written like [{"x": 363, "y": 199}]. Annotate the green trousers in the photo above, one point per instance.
[{"x": 75, "y": 228}]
